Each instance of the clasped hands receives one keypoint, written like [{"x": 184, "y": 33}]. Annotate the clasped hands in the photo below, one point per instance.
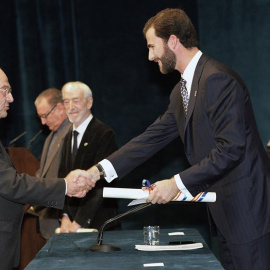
[
  {"x": 83, "y": 181},
  {"x": 78, "y": 183}
]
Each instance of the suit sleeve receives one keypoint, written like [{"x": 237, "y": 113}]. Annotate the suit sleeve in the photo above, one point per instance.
[
  {"x": 25, "y": 189},
  {"x": 163, "y": 131},
  {"x": 225, "y": 102}
]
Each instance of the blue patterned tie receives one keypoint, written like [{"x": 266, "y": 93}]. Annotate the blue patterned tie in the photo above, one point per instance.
[{"x": 184, "y": 94}]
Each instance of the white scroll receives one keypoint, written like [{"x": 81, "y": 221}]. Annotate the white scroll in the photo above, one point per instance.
[{"x": 140, "y": 195}]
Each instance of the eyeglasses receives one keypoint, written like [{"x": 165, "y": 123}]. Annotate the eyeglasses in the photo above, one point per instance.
[
  {"x": 47, "y": 114},
  {"x": 6, "y": 90}
]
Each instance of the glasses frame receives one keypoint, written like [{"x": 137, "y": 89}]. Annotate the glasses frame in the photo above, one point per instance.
[
  {"x": 45, "y": 116},
  {"x": 6, "y": 90}
]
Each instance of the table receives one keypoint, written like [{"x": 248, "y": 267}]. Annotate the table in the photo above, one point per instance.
[{"x": 71, "y": 251}]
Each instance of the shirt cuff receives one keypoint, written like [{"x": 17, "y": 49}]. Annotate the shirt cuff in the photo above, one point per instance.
[
  {"x": 182, "y": 187},
  {"x": 66, "y": 186},
  {"x": 109, "y": 170}
]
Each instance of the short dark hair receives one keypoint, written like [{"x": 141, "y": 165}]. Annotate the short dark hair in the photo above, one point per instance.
[
  {"x": 53, "y": 96},
  {"x": 173, "y": 22}
]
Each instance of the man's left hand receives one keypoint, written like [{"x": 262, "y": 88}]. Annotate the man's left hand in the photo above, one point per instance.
[
  {"x": 74, "y": 226},
  {"x": 163, "y": 192}
]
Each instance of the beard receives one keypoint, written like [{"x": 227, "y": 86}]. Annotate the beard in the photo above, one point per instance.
[{"x": 168, "y": 61}]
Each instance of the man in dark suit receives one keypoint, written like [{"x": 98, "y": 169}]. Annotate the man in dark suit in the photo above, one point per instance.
[
  {"x": 94, "y": 142},
  {"x": 210, "y": 109},
  {"x": 50, "y": 109},
  {"x": 17, "y": 190}
]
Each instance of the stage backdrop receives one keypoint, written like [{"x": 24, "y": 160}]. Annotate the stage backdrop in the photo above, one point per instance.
[{"x": 47, "y": 43}]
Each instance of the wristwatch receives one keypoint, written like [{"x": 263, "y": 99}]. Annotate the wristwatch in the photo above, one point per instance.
[{"x": 101, "y": 170}]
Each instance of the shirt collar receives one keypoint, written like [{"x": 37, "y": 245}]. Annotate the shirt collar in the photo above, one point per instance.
[
  {"x": 82, "y": 127},
  {"x": 190, "y": 70}
]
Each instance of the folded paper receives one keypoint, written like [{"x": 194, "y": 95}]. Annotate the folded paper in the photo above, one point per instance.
[{"x": 162, "y": 248}]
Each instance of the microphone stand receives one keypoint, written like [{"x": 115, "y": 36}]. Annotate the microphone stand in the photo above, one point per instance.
[
  {"x": 33, "y": 139},
  {"x": 12, "y": 143},
  {"x": 99, "y": 247}
]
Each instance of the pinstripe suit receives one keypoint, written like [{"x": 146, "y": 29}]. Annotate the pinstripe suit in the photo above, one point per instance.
[{"x": 222, "y": 145}]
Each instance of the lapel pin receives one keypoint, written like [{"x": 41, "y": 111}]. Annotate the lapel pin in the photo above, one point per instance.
[
  {"x": 195, "y": 94},
  {"x": 85, "y": 144}
]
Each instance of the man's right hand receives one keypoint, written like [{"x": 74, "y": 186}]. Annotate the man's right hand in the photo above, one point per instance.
[
  {"x": 93, "y": 176},
  {"x": 77, "y": 183},
  {"x": 65, "y": 223}
]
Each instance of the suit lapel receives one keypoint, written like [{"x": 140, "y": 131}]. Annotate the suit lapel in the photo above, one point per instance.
[
  {"x": 56, "y": 146},
  {"x": 179, "y": 109},
  {"x": 195, "y": 86},
  {"x": 85, "y": 142},
  {"x": 45, "y": 155},
  {"x": 68, "y": 154}
]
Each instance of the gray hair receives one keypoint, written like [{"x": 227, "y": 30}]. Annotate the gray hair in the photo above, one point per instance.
[
  {"x": 84, "y": 87},
  {"x": 53, "y": 96}
]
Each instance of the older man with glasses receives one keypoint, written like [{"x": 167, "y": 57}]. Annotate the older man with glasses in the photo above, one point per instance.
[
  {"x": 51, "y": 111},
  {"x": 16, "y": 190}
]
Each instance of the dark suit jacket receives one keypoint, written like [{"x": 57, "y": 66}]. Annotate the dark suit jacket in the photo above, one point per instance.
[
  {"x": 223, "y": 146},
  {"x": 16, "y": 191},
  {"x": 49, "y": 167},
  {"x": 97, "y": 142}
]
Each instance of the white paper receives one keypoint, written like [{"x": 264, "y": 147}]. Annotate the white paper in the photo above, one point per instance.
[
  {"x": 80, "y": 230},
  {"x": 153, "y": 264},
  {"x": 83, "y": 230},
  {"x": 176, "y": 233},
  {"x": 169, "y": 247},
  {"x": 141, "y": 195}
]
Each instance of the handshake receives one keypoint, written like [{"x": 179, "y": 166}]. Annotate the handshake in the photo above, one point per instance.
[{"x": 79, "y": 182}]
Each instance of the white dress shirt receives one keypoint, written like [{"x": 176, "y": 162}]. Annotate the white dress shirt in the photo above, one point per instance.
[{"x": 81, "y": 129}]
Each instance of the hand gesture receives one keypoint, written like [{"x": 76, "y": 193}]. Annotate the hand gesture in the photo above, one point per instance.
[
  {"x": 93, "y": 176},
  {"x": 163, "y": 191},
  {"x": 77, "y": 184},
  {"x": 65, "y": 223}
]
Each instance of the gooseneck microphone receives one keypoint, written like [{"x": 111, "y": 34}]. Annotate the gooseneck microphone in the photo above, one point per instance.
[
  {"x": 33, "y": 139},
  {"x": 99, "y": 247},
  {"x": 12, "y": 143}
]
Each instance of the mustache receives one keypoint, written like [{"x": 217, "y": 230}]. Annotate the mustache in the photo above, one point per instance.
[{"x": 72, "y": 111}]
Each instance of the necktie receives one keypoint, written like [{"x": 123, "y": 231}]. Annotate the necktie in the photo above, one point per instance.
[
  {"x": 75, "y": 145},
  {"x": 184, "y": 94}
]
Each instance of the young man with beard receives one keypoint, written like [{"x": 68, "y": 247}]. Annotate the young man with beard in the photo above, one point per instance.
[{"x": 211, "y": 111}]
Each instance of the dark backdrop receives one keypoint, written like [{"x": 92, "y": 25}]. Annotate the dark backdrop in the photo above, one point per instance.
[{"x": 46, "y": 43}]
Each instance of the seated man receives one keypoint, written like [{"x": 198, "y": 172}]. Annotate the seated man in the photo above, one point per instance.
[{"x": 93, "y": 142}]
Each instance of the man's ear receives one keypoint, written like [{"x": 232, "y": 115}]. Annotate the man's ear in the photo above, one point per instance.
[
  {"x": 90, "y": 103},
  {"x": 172, "y": 42}
]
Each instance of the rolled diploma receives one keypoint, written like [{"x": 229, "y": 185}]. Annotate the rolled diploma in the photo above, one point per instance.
[{"x": 134, "y": 194}]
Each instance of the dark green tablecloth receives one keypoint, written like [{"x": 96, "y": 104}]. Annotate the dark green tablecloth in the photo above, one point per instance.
[{"x": 70, "y": 251}]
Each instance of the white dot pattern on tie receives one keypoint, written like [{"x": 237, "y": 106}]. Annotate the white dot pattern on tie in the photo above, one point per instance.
[{"x": 184, "y": 94}]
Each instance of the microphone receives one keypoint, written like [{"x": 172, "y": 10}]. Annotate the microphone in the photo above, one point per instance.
[
  {"x": 33, "y": 139},
  {"x": 12, "y": 143},
  {"x": 99, "y": 247}
]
